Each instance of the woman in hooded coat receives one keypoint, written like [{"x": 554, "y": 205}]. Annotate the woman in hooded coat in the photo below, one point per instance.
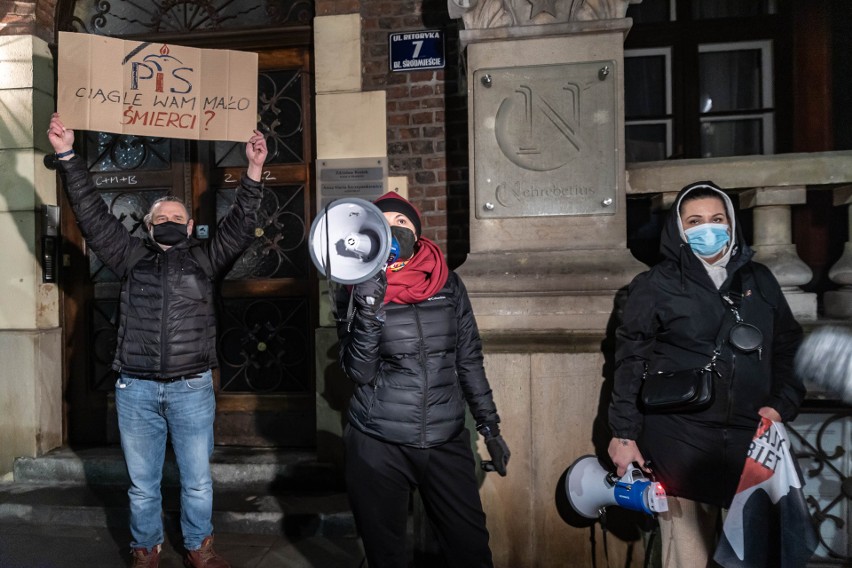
[{"x": 672, "y": 319}]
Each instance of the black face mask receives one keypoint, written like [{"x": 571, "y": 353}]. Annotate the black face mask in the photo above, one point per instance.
[
  {"x": 404, "y": 240},
  {"x": 169, "y": 233}
]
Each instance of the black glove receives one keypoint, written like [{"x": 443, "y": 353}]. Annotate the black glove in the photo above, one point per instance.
[
  {"x": 369, "y": 295},
  {"x": 497, "y": 449}
]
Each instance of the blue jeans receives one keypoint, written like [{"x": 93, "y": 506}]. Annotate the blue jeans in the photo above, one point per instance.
[{"x": 148, "y": 413}]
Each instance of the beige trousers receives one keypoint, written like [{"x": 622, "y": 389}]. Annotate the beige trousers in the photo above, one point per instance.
[{"x": 689, "y": 533}]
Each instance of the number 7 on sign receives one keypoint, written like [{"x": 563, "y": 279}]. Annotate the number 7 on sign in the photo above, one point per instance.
[{"x": 418, "y": 45}]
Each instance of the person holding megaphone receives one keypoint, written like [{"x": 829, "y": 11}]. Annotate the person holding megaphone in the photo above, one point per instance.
[
  {"x": 706, "y": 311},
  {"x": 411, "y": 345}
]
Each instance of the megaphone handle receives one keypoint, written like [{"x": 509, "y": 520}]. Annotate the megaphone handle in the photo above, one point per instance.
[
  {"x": 350, "y": 313},
  {"x": 650, "y": 471}
]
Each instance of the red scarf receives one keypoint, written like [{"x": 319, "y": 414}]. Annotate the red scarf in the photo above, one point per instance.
[{"x": 421, "y": 277}]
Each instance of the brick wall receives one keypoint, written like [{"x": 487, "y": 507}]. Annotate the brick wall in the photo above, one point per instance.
[
  {"x": 45, "y": 14},
  {"x": 27, "y": 17},
  {"x": 427, "y": 115},
  {"x": 427, "y": 118},
  {"x": 17, "y": 17},
  {"x": 336, "y": 7}
]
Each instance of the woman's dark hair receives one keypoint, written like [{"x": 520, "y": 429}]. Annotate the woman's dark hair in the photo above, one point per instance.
[{"x": 701, "y": 191}]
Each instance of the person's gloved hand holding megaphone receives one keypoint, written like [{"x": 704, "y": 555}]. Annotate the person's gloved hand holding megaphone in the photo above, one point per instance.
[
  {"x": 497, "y": 448},
  {"x": 369, "y": 296}
]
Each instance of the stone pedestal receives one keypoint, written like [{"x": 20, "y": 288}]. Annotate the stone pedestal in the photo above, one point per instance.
[
  {"x": 773, "y": 244},
  {"x": 548, "y": 256},
  {"x": 838, "y": 303},
  {"x": 350, "y": 124}
]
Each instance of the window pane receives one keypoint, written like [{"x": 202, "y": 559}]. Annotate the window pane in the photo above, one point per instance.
[
  {"x": 645, "y": 86},
  {"x": 263, "y": 347},
  {"x": 279, "y": 109},
  {"x": 650, "y": 11},
  {"x": 646, "y": 142},
  {"x": 108, "y": 152},
  {"x": 730, "y": 80},
  {"x": 279, "y": 249},
  {"x": 739, "y": 137},
  {"x": 707, "y": 9}
]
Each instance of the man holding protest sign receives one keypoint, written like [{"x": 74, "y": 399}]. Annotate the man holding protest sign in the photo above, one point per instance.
[{"x": 166, "y": 343}]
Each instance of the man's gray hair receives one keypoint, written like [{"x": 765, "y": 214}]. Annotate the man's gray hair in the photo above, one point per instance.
[{"x": 149, "y": 216}]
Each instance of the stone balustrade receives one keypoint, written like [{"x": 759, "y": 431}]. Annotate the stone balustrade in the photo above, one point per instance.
[
  {"x": 838, "y": 303},
  {"x": 769, "y": 185},
  {"x": 772, "y": 242}
]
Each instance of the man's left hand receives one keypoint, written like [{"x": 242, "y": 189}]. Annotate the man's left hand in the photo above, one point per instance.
[{"x": 256, "y": 153}]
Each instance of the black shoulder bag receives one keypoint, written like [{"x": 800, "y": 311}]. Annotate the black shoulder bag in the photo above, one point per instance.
[
  {"x": 691, "y": 390},
  {"x": 678, "y": 392}
]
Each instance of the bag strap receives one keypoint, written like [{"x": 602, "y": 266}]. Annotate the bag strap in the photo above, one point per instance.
[
  {"x": 720, "y": 339},
  {"x": 733, "y": 295},
  {"x": 731, "y": 298}
]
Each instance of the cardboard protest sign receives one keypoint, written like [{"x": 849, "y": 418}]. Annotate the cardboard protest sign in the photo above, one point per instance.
[{"x": 155, "y": 89}]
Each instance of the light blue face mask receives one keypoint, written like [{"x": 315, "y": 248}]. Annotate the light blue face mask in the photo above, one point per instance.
[{"x": 708, "y": 239}]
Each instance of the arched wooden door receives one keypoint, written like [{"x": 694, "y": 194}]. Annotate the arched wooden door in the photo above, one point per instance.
[{"x": 267, "y": 314}]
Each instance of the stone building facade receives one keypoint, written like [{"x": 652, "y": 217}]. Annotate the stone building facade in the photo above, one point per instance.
[{"x": 545, "y": 287}]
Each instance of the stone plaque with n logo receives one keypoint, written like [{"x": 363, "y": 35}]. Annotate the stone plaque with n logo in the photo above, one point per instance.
[{"x": 545, "y": 140}]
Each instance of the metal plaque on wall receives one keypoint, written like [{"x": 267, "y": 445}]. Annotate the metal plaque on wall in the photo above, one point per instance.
[
  {"x": 545, "y": 140},
  {"x": 366, "y": 178}
]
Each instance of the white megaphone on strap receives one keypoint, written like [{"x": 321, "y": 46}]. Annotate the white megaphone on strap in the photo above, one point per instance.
[
  {"x": 591, "y": 488},
  {"x": 350, "y": 241}
]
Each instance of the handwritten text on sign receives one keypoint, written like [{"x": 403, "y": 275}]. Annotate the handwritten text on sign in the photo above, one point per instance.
[{"x": 152, "y": 89}]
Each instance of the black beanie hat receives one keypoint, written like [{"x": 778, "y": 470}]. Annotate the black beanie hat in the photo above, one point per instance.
[{"x": 392, "y": 202}]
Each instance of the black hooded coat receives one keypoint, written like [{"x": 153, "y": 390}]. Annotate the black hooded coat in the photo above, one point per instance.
[{"x": 671, "y": 320}]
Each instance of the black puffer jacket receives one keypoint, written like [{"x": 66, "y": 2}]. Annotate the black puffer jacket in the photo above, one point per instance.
[
  {"x": 670, "y": 322},
  {"x": 167, "y": 325},
  {"x": 415, "y": 371}
]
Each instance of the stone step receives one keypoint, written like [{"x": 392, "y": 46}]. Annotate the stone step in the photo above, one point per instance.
[
  {"x": 256, "y": 491},
  {"x": 295, "y": 514},
  {"x": 231, "y": 467}
]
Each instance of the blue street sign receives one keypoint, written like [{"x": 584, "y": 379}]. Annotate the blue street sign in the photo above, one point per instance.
[{"x": 412, "y": 51}]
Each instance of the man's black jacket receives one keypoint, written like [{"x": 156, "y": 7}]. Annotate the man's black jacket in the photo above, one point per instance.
[{"x": 167, "y": 325}]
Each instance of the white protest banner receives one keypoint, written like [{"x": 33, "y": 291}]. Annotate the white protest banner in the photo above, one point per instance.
[
  {"x": 768, "y": 523},
  {"x": 156, "y": 89}
]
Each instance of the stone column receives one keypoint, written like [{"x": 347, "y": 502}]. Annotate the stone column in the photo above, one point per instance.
[
  {"x": 838, "y": 303},
  {"x": 773, "y": 243},
  {"x": 547, "y": 258},
  {"x": 30, "y": 336},
  {"x": 350, "y": 123}
]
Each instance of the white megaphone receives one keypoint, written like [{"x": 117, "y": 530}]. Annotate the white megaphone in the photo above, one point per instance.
[
  {"x": 591, "y": 488},
  {"x": 350, "y": 241}
]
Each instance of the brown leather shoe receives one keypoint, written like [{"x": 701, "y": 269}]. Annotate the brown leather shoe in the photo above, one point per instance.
[
  {"x": 143, "y": 558},
  {"x": 205, "y": 557}
]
